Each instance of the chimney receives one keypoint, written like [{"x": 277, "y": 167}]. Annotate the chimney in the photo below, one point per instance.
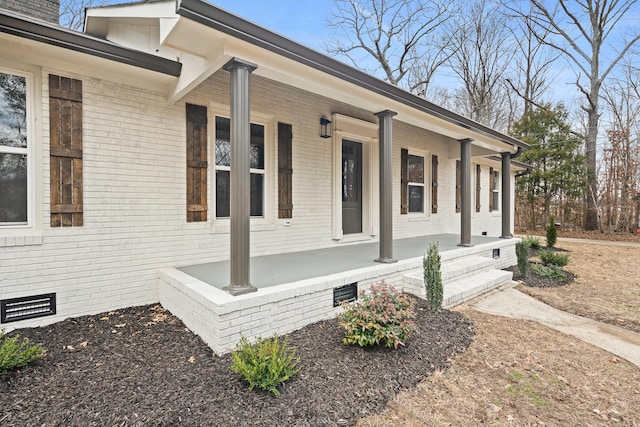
[{"x": 47, "y": 10}]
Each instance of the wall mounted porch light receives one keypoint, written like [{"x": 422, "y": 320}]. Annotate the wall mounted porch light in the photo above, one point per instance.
[{"x": 325, "y": 127}]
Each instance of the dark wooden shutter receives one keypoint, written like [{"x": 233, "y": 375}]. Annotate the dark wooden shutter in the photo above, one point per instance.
[
  {"x": 196, "y": 163},
  {"x": 458, "y": 185},
  {"x": 65, "y": 130},
  {"x": 285, "y": 171},
  {"x": 490, "y": 189},
  {"x": 434, "y": 184},
  {"x": 478, "y": 188},
  {"x": 404, "y": 181}
]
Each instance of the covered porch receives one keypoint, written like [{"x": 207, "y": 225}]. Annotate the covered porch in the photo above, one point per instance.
[{"x": 299, "y": 288}]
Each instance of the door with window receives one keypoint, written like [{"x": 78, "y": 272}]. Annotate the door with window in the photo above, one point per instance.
[{"x": 351, "y": 187}]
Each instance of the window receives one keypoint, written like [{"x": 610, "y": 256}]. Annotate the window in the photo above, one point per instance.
[
  {"x": 495, "y": 190},
  {"x": 15, "y": 147},
  {"x": 416, "y": 183},
  {"x": 223, "y": 168}
]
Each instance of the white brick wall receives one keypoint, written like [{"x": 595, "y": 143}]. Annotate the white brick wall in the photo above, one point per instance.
[{"x": 134, "y": 196}]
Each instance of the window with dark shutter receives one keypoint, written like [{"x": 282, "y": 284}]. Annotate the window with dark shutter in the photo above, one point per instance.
[
  {"x": 491, "y": 189},
  {"x": 458, "y": 185},
  {"x": 65, "y": 130},
  {"x": 434, "y": 184},
  {"x": 196, "y": 163},
  {"x": 478, "y": 188},
  {"x": 285, "y": 171},
  {"x": 404, "y": 181}
]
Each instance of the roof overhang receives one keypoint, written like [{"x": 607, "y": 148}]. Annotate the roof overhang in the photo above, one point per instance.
[
  {"x": 41, "y": 43},
  {"x": 286, "y": 61}
]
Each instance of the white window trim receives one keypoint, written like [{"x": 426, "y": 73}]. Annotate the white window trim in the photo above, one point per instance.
[
  {"x": 426, "y": 207},
  {"x": 365, "y": 133},
  {"x": 31, "y": 232},
  {"x": 266, "y": 222}
]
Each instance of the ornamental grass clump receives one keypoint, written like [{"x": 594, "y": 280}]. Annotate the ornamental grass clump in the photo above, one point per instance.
[
  {"x": 431, "y": 264},
  {"x": 381, "y": 317},
  {"x": 16, "y": 353},
  {"x": 266, "y": 364}
]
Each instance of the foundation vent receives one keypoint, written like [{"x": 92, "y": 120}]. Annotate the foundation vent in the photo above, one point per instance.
[
  {"x": 346, "y": 293},
  {"x": 496, "y": 253},
  {"x": 14, "y": 309}
]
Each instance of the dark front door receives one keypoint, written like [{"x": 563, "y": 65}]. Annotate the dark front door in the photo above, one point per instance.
[{"x": 351, "y": 187}]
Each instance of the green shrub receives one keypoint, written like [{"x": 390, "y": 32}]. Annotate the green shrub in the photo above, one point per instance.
[
  {"x": 433, "y": 277},
  {"x": 522, "y": 253},
  {"x": 552, "y": 233},
  {"x": 381, "y": 317},
  {"x": 265, "y": 364},
  {"x": 551, "y": 271},
  {"x": 553, "y": 258},
  {"x": 533, "y": 242},
  {"x": 16, "y": 353}
]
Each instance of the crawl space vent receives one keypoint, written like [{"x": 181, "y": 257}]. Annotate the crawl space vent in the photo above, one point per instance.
[
  {"x": 23, "y": 308},
  {"x": 346, "y": 293},
  {"x": 496, "y": 253}
]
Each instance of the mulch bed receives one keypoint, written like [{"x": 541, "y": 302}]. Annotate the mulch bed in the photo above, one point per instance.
[
  {"x": 141, "y": 366},
  {"x": 536, "y": 281}
]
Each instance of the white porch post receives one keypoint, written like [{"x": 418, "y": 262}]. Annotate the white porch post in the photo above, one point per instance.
[
  {"x": 506, "y": 196},
  {"x": 465, "y": 194},
  {"x": 385, "y": 143},
  {"x": 240, "y": 176}
]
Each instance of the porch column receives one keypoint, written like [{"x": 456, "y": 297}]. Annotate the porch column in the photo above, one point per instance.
[
  {"x": 465, "y": 193},
  {"x": 240, "y": 176},
  {"x": 506, "y": 196},
  {"x": 385, "y": 143}
]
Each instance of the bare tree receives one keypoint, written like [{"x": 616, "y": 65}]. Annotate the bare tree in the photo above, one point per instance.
[
  {"x": 579, "y": 29},
  {"x": 531, "y": 67},
  {"x": 404, "y": 38},
  {"x": 621, "y": 155},
  {"x": 72, "y": 11},
  {"x": 481, "y": 50}
]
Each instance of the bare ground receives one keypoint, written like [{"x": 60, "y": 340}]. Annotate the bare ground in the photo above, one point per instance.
[{"x": 520, "y": 373}]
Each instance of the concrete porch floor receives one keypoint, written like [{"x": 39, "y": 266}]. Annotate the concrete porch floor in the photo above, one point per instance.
[{"x": 273, "y": 270}]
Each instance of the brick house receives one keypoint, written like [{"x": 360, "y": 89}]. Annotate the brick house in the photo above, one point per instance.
[{"x": 171, "y": 134}]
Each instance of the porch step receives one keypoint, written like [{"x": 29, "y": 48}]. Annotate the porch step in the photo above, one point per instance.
[
  {"x": 469, "y": 287},
  {"x": 462, "y": 278}
]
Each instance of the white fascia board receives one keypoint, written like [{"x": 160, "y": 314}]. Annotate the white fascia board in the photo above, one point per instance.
[{"x": 96, "y": 20}]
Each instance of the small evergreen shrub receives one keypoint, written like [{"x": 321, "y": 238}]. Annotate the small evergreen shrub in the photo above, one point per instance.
[
  {"x": 552, "y": 233},
  {"x": 553, "y": 258},
  {"x": 381, "y": 317},
  {"x": 266, "y": 364},
  {"x": 16, "y": 353},
  {"x": 522, "y": 253},
  {"x": 433, "y": 277},
  {"x": 533, "y": 242},
  {"x": 551, "y": 271}
]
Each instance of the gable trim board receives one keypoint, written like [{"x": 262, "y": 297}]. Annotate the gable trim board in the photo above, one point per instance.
[{"x": 56, "y": 35}]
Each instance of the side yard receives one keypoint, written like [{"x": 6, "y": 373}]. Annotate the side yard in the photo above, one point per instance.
[{"x": 607, "y": 286}]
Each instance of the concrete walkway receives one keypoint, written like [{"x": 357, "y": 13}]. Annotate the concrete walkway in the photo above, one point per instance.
[{"x": 515, "y": 304}]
